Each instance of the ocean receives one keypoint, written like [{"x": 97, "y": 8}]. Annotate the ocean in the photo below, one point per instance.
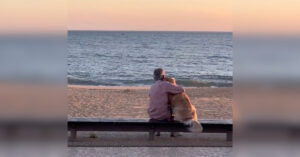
[{"x": 128, "y": 58}]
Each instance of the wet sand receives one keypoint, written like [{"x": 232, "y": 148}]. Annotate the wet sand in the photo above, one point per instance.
[{"x": 132, "y": 102}]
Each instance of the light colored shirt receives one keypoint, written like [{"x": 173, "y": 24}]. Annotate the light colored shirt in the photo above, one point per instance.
[{"x": 158, "y": 105}]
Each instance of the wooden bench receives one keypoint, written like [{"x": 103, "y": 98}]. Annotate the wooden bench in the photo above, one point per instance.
[{"x": 143, "y": 125}]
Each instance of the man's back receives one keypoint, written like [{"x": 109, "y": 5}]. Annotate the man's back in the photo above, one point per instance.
[{"x": 158, "y": 105}]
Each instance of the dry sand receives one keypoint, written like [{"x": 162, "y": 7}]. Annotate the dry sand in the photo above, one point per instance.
[
  {"x": 132, "y": 102},
  {"x": 151, "y": 151}
]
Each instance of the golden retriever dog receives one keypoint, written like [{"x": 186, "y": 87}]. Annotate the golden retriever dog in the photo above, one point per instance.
[{"x": 183, "y": 110}]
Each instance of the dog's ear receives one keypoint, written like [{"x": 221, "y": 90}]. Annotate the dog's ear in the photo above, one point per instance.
[{"x": 172, "y": 80}]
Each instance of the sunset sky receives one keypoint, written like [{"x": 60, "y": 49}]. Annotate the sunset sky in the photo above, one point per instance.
[
  {"x": 166, "y": 15},
  {"x": 170, "y": 15},
  {"x": 32, "y": 16}
]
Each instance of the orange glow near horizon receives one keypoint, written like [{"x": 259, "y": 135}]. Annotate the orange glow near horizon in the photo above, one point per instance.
[
  {"x": 168, "y": 15},
  {"x": 280, "y": 17},
  {"x": 19, "y": 16},
  {"x": 247, "y": 16}
]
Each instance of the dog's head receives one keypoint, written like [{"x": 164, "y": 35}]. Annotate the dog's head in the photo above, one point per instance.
[{"x": 170, "y": 79}]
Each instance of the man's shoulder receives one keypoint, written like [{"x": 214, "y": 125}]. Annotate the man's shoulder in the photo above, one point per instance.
[
  {"x": 162, "y": 83},
  {"x": 159, "y": 83},
  {"x": 166, "y": 83},
  {"x": 154, "y": 85}
]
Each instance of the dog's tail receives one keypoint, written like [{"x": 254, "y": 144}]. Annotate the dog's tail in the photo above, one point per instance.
[{"x": 195, "y": 126}]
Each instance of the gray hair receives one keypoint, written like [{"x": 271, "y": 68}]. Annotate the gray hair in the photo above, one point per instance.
[{"x": 158, "y": 74}]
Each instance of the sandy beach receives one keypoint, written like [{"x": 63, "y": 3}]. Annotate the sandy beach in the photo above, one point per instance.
[{"x": 132, "y": 102}]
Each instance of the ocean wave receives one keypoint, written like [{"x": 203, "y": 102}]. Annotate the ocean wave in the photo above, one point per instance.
[
  {"x": 216, "y": 77},
  {"x": 219, "y": 57},
  {"x": 146, "y": 82},
  {"x": 195, "y": 83},
  {"x": 80, "y": 81}
]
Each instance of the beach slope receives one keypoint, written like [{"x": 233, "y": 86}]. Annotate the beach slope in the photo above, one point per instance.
[{"x": 132, "y": 102}]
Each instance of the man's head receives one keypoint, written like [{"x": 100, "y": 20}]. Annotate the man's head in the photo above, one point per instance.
[{"x": 158, "y": 74}]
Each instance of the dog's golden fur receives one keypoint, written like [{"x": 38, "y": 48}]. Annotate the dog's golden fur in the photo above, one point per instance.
[{"x": 183, "y": 110}]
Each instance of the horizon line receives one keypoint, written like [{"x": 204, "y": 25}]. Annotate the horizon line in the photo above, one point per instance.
[{"x": 148, "y": 31}]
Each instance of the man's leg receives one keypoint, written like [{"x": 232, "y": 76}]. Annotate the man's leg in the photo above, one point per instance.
[
  {"x": 155, "y": 120},
  {"x": 173, "y": 134}
]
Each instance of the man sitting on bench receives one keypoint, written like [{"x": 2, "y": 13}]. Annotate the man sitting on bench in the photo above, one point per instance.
[{"x": 159, "y": 110}]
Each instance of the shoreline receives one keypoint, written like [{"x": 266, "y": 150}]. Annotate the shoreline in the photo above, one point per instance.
[
  {"x": 125, "y": 87},
  {"x": 106, "y": 87}
]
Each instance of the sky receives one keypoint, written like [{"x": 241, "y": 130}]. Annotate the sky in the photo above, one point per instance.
[
  {"x": 19, "y": 16},
  {"x": 258, "y": 16},
  {"x": 166, "y": 15},
  {"x": 266, "y": 17}
]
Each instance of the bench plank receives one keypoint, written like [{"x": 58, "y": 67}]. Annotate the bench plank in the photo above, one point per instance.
[
  {"x": 143, "y": 125},
  {"x": 135, "y": 120}
]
